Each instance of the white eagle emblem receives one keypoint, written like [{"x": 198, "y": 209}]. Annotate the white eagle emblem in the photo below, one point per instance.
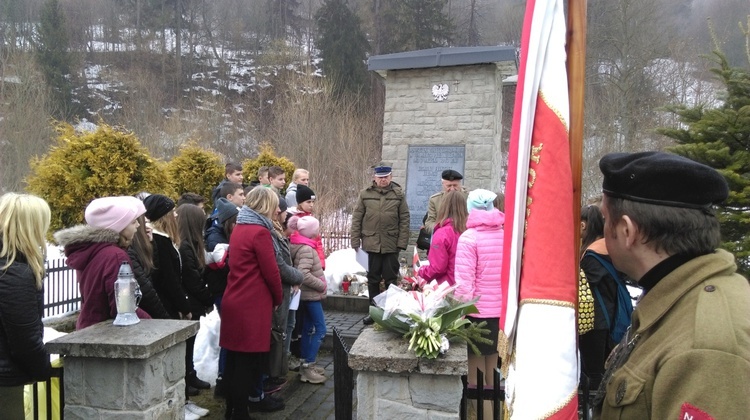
[{"x": 440, "y": 92}]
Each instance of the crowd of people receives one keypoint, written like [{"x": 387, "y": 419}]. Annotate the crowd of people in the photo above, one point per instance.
[{"x": 655, "y": 226}]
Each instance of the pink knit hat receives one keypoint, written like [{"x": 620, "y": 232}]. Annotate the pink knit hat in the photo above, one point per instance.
[
  {"x": 307, "y": 226},
  {"x": 114, "y": 213}
]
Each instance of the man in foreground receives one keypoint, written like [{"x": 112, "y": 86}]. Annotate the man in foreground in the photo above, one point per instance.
[{"x": 687, "y": 351}]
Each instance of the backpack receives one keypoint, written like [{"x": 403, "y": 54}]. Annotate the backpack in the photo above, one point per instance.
[{"x": 623, "y": 307}]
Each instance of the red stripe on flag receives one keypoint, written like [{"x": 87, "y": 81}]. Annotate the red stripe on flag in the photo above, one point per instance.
[{"x": 548, "y": 255}]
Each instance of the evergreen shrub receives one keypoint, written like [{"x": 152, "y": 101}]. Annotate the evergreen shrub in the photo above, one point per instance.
[
  {"x": 196, "y": 170},
  {"x": 82, "y": 166},
  {"x": 267, "y": 157}
]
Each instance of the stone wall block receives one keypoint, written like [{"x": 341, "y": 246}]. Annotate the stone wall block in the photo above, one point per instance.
[
  {"x": 436, "y": 392},
  {"x": 395, "y": 410},
  {"x": 456, "y": 108},
  {"x": 365, "y": 391},
  {"x": 73, "y": 381},
  {"x": 79, "y": 412},
  {"x": 105, "y": 389},
  {"x": 393, "y": 388},
  {"x": 167, "y": 410},
  {"x": 437, "y": 109},
  {"x": 440, "y": 415},
  {"x": 174, "y": 363},
  {"x": 145, "y": 383}
]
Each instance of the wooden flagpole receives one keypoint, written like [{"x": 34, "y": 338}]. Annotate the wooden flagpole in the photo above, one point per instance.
[{"x": 576, "y": 66}]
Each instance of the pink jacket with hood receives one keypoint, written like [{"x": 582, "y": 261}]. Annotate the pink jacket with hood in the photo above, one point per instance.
[
  {"x": 442, "y": 255},
  {"x": 479, "y": 257}
]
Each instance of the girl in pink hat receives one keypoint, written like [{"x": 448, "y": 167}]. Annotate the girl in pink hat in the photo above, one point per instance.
[{"x": 96, "y": 250}]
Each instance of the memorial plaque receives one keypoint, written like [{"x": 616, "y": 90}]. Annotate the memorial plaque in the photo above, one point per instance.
[{"x": 423, "y": 170}]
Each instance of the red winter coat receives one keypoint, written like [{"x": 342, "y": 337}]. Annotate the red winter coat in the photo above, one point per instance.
[
  {"x": 253, "y": 289},
  {"x": 94, "y": 254}
]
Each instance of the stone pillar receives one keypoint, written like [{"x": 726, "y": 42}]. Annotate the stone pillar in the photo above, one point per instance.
[
  {"x": 392, "y": 383},
  {"x": 133, "y": 372}
]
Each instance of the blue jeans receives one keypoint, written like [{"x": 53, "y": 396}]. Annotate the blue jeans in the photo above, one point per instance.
[{"x": 313, "y": 330}]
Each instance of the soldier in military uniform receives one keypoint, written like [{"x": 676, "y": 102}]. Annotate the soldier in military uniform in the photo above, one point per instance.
[
  {"x": 687, "y": 352},
  {"x": 380, "y": 225},
  {"x": 451, "y": 181}
]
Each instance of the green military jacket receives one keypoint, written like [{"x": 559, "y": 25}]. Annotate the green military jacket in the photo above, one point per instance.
[
  {"x": 380, "y": 222},
  {"x": 691, "y": 354},
  {"x": 432, "y": 208}
]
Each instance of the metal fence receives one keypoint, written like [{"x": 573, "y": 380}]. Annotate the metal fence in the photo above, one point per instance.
[
  {"x": 49, "y": 397},
  {"x": 480, "y": 394},
  {"x": 61, "y": 288},
  {"x": 343, "y": 378},
  {"x": 334, "y": 241},
  {"x": 61, "y": 294}
]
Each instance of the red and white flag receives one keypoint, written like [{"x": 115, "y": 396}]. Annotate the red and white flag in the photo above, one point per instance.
[{"x": 539, "y": 271}]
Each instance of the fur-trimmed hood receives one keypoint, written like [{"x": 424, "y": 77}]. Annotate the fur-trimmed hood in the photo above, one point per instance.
[
  {"x": 85, "y": 233},
  {"x": 83, "y": 242}
]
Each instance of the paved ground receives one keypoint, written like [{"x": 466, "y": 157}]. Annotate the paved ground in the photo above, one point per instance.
[{"x": 303, "y": 401}]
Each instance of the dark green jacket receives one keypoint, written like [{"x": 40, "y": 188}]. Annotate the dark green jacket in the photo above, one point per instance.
[
  {"x": 380, "y": 222},
  {"x": 693, "y": 347}
]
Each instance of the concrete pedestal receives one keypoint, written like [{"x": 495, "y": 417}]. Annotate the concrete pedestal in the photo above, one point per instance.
[
  {"x": 393, "y": 383},
  {"x": 133, "y": 372}
]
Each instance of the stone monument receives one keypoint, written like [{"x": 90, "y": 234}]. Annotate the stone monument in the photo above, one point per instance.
[{"x": 445, "y": 108}]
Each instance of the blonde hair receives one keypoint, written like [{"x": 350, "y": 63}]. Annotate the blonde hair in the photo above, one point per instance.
[
  {"x": 263, "y": 200},
  {"x": 24, "y": 221},
  {"x": 298, "y": 173},
  {"x": 168, "y": 225}
]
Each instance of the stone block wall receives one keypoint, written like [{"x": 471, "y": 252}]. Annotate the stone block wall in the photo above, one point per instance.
[
  {"x": 471, "y": 115},
  {"x": 152, "y": 388},
  {"x": 401, "y": 396},
  {"x": 392, "y": 383}
]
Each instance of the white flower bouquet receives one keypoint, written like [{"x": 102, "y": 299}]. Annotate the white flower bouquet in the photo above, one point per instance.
[{"x": 429, "y": 317}]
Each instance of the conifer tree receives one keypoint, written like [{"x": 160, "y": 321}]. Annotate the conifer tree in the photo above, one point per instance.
[
  {"x": 54, "y": 57},
  {"x": 343, "y": 47},
  {"x": 720, "y": 137},
  {"x": 420, "y": 24}
]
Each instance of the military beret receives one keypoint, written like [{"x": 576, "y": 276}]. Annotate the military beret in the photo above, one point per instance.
[
  {"x": 663, "y": 179},
  {"x": 451, "y": 175}
]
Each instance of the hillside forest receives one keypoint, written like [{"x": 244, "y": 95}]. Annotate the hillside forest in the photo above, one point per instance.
[{"x": 231, "y": 75}]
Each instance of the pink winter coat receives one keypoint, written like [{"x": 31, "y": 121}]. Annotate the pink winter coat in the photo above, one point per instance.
[
  {"x": 479, "y": 257},
  {"x": 442, "y": 254}
]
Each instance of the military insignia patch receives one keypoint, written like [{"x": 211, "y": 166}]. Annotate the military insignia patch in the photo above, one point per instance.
[{"x": 690, "y": 412}]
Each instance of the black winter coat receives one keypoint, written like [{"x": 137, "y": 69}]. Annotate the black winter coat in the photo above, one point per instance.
[
  {"x": 200, "y": 298},
  {"x": 150, "y": 301},
  {"x": 167, "y": 275},
  {"x": 23, "y": 358}
]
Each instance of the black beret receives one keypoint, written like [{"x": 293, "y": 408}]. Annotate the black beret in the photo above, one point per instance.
[
  {"x": 663, "y": 179},
  {"x": 304, "y": 193},
  {"x": 451, "y": 175},
  {"x": 157, "y": 206}
]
